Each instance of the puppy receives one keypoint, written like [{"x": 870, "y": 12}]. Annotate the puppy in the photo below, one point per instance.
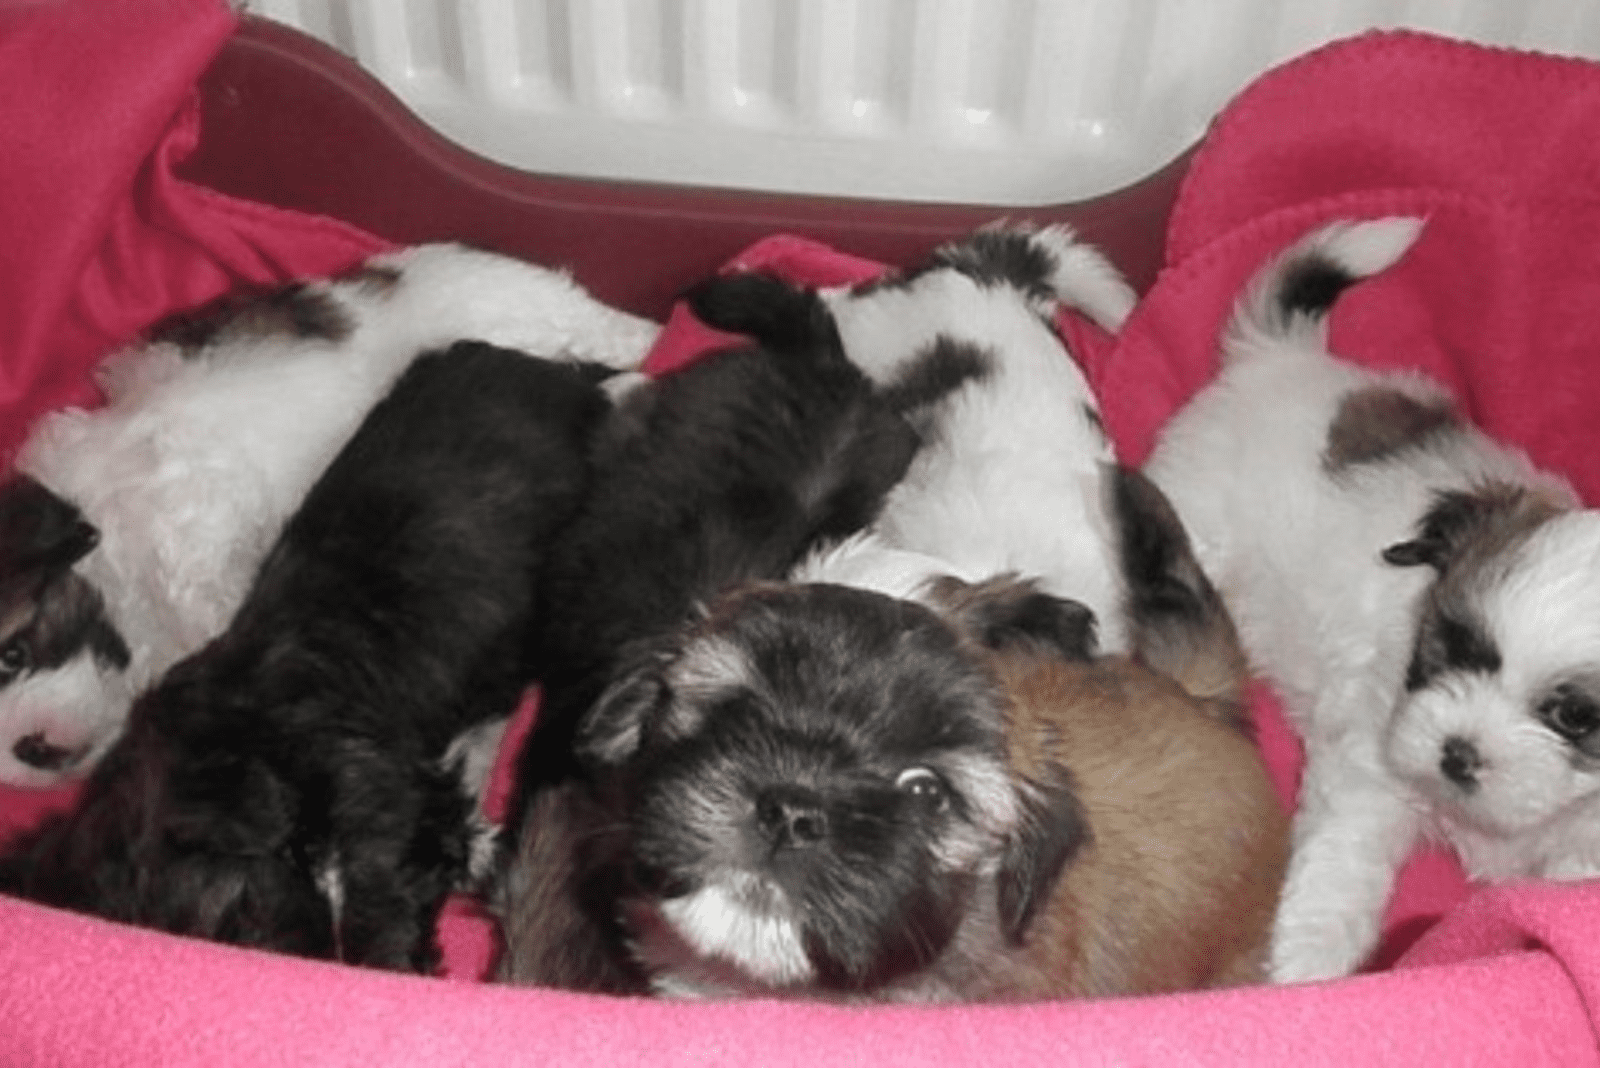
[
  {"x": 212, "y": 433},
  {"x": 1421, "y": 597},
  {"x": 283, "y": 787},
  {"x": 824, "y": 791},
  {"x": 1013, "y": 469},
  {"x": 725, "y": 472}
]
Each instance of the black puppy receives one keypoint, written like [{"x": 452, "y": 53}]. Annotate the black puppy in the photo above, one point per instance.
[
  {"x": 727, "y": 471},
  {"x": 282, "y": 788}
]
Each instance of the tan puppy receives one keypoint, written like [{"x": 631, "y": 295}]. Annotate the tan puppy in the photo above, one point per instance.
[{"x": 1176, "y": 885}]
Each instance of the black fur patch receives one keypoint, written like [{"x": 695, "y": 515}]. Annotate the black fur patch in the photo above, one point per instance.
[
  {"x": 1312, "y": 285},
  {"x": 1002, "y": 257},
  {"x": 1450, "y": 643},
  {"x": 944, "y": 368},
  {"x": 40, "y": 531},
  {"x": 1378, "y": 423},
  {"x": 296, "y": 311},
  {"x": 726, "y": 471}
]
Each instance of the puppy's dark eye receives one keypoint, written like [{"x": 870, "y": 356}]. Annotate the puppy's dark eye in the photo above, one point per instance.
[
  {"x": 14, "y": 659},
  {"x": 1570, "y": 713},
  {"x": 923, "y": 785}
]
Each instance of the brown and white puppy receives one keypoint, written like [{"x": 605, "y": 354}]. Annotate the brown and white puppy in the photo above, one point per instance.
[
  {"x": 824, "y": 791},
  {"x": 1422, "y": 596}
]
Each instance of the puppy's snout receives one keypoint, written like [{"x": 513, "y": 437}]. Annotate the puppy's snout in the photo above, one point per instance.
[
  {"x": 34, "y": 751},
  {"x": 1461, "y": 762},
  {"x": 790, "y": 816}
]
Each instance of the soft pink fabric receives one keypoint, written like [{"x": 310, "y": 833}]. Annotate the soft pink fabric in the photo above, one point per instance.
[{"x": 1495, "y": 147}]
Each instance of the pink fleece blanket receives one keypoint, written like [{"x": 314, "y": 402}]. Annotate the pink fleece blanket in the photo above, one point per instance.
[{"x": 1497, "y": 148}]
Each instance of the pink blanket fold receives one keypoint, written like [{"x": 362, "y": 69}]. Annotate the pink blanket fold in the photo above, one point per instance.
[{"x": 102, "y": 240}]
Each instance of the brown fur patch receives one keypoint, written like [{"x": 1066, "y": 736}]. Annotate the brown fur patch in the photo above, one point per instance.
[
  {"x": 1378, "y": 422},
  {"x": 549, "y": 938},
  {"x": 1177, "y": 887}
]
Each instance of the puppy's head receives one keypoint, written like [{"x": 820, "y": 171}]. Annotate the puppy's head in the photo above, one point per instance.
[
  {"x": 62, "y": 689},
  {"x": 1499, "y": 721},
  {"x": 816, "y": 783}
]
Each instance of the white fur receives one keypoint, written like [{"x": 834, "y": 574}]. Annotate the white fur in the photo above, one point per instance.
[
  {"x": 866, "y": 562},
  {"x": 191, "y": 467},
  {"x": 1014, "y": 477},
  {"x": 1296, "y": 553},
  {"x": 745, "y": 922}
]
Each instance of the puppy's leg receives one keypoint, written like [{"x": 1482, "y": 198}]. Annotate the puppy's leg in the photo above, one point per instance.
[{"x": 1353, "y": 830}]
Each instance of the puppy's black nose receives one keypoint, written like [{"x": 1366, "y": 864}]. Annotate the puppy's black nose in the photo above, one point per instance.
[
  {"x": 1461, "y": 762},
  {"x": 35, "y": 752},
  {"x": 791, "y": 816}
]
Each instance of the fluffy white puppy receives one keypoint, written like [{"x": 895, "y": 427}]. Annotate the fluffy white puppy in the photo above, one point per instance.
[
  {"x": 211, "y": 435},
  {"x": 1013, "y": 468},
  {"x": 1426, "y": 602}
]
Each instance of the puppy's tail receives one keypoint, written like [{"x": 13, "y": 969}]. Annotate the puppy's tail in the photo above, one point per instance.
[
  {"x": 785, "y": 318},
  {"x": 1048, "y": 264},
  {"x": 1180, "y": 626},
  {"x": 1289, "y": 299}
]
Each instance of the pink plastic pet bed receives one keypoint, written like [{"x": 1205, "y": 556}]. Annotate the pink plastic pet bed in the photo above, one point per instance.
[{"x": 167, "y": 152}]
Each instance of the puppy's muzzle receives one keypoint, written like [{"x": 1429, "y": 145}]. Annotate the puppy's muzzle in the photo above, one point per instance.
[
  {"x": 1460, "y": 762},
  {"x": 791, "y": 817}
]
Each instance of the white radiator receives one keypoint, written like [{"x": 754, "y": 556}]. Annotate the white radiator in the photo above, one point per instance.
[{"x": 1006, "y": 102}]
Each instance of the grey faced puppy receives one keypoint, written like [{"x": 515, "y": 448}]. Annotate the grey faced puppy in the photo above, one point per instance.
[{"x": 823, "y": 791}]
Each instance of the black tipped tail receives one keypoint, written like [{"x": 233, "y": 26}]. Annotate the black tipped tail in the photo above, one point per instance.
[
  {"x": 1297, "y": 288},
  {"x": 1311, "y": 285}
]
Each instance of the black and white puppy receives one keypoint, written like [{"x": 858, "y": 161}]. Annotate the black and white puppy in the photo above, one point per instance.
[
  {"x": 213, "y": 430},
  {"x": 1014, "y": 469},
  {"x": 727, "y": 471},
  {"x": 1423, "y": 597},
  {"x": 282, "y": 787}
]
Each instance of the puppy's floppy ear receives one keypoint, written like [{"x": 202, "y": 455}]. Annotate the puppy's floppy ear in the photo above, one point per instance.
[
  {"x": 1050, "y": 830},
  {"x": 39, "y": 529},
  {"x": 611, "y": 732},
  {"x": 1005, "y": 612},
  {"x": 1442, "y": 531},
  {"x": 1459, "y": 517}
]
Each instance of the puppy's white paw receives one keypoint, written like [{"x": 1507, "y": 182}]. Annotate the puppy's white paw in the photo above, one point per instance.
[{"x": 1322, "y": 946}]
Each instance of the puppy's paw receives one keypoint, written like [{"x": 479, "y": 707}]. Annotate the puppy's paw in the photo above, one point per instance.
[{"x": 1309, "y": 949}]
